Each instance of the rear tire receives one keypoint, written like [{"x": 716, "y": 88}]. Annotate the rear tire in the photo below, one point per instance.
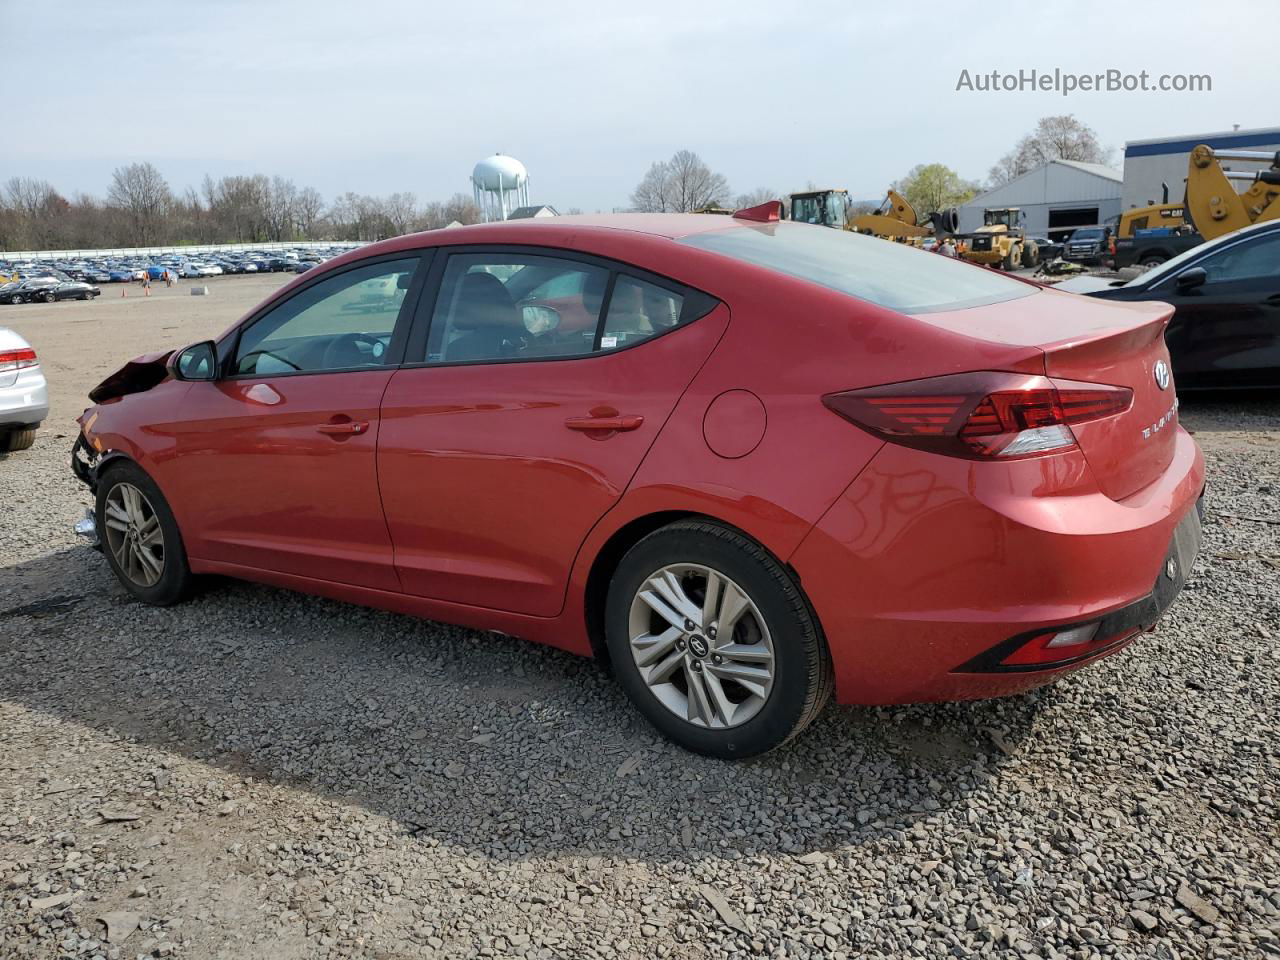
[
  {"x": 140, "y": 537},
  {"x": 48, "y": 298},
  {"x": 751, "y": 672},
  {"x": 1011, "y": 259},
  {"x": 16, "y": 440}
]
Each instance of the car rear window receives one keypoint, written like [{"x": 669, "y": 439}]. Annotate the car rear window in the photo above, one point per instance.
[{"x": 889, "y": 274}]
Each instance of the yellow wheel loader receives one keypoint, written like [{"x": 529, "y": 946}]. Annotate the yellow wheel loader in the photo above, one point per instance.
[{"x": 1001, "y": 241}]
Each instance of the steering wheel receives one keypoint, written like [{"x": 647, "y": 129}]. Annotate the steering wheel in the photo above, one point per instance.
[
  {"x": 255, "y": 354},
  {"x": 340, "y": 347}
]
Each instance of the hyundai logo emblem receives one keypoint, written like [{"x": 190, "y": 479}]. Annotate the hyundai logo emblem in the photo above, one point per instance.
[
  {"x": 698, "y": 646},
  {"x": 1161, "y": 373}
]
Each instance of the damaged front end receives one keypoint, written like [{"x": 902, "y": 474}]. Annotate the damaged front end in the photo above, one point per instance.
[{"x": 137, "y": 376}]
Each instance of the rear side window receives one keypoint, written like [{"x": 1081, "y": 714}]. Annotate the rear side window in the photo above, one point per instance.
[
  {"x": 639, "y": 310},
  {"x": 516, "y": 306},
  {"x": 889, "y": 274}
]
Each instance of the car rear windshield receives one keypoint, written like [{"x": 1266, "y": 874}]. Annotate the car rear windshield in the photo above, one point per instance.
[{"x": 889, "y": 274}]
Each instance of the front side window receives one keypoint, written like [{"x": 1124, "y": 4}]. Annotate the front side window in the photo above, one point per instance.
[
  {"x": 515, "y": 307},
  {"x": 341, "y": 323},
  {"x": 1250, "y": 260}
]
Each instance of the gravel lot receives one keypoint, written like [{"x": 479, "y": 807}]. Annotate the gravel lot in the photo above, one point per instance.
[{"x": 262, "y": 774}]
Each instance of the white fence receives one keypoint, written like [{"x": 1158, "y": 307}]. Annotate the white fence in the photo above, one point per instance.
[{"x": 117, "y": 252}]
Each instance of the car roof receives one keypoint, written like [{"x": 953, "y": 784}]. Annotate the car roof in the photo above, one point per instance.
[{"x": 672, "y": 226}]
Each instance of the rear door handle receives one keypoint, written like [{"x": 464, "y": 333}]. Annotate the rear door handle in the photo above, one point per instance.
[
  {"x": 345, "y": 428},
  {"x": 628, "y": 421}
]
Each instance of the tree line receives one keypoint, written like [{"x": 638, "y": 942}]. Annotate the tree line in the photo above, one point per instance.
[{"x": 141, "y": 210}]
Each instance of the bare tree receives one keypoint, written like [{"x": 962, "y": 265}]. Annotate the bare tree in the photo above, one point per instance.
[
  {"x": 142, "y": 193},
  {"x": 401, "y": 210},
  {"x": 1054, "y": 138},
  {"x": 652, "y": 194},
  {"x": 462, "y": 208},
  {"x": 754, "y": 198},
  {"x": 683, "y": 184},
  {"x": 307, "y": 209}
]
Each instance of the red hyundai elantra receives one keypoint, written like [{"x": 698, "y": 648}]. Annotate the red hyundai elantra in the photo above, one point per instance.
[{"x": 747, "y": 461}]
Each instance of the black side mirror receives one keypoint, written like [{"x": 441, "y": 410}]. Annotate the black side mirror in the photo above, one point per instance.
[
  {"x": 1190, "y": 279},
  {"x": 197, "y": 362}
]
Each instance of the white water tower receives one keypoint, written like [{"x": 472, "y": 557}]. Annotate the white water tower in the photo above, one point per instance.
[{"x": 500, "y": 184}]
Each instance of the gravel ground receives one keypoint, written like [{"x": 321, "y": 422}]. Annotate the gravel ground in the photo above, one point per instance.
[{"x": 262, "y": 774}]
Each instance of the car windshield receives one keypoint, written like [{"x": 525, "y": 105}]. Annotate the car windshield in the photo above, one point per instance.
[
  {"x": 888, "y": 274},
  {"x": 1087, "y": 235}
]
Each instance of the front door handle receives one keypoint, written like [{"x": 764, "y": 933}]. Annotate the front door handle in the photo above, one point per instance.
[
  {"x": 344, "y": 428},
  {"x": 626, "y": 421}
]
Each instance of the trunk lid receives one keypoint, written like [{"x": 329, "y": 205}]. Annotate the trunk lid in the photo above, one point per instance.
[{"x": 1095, "y": 341}]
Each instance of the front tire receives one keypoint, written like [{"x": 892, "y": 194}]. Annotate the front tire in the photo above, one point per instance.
[
  {"x": 16, "y": 440},
  {"x": 713, "y": 642},
  {"x": 140, "y": 537}
]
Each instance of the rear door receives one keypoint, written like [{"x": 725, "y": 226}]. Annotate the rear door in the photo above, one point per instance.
[
  {"x": 532, "y": 388},
  {"x": 274, "y": 465}
]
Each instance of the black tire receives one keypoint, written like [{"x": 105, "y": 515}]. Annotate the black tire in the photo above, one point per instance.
[
  {"x": 48, "y": 298},
  {"x": 17, "y": 439},
  {"x": 1030, "y": 255},
  {"x": 1010, "y": 261},
  {"x": 1152, "y": 262},
  {"x": 16, "y": 298},
  {"x": 802, "y": 673},
  {"x": 174, "y": 582}
]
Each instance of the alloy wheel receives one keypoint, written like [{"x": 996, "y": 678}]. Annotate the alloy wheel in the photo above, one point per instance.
[
  {"x": 701, "y": 645},
  {"x": 134, "y": 535}
]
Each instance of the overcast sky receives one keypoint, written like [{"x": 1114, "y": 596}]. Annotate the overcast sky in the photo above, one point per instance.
[{"x": 377, "y": 96}]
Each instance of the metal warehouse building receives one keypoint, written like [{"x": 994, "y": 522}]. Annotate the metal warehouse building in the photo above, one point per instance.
[
  {"x": 1150, "y": 163},
  {"x": 1054, "y": 199}
]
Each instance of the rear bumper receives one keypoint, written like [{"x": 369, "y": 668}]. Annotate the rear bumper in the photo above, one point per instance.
[
  {"x": 927, "y": 573},
  {"x": 25, "y": 402}
]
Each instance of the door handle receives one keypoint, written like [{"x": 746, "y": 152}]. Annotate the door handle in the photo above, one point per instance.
[
  {"x": 627, "y": 421},
  {"x": 345, "y": 428}
]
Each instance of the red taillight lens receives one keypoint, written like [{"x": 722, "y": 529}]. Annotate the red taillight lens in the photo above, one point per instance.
[
  {"x": 11, "y": 360},
  {"x": 981, "y": 415}
]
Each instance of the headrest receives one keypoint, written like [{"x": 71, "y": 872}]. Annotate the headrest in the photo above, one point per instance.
[{"x": 483, "y": 303}]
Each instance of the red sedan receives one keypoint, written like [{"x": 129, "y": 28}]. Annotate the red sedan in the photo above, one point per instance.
[{"x": 747, "y": 461}]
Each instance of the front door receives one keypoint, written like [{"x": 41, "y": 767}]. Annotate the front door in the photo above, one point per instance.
[
  {"x": 274, "y": 466},
  {"x": 1226, "y": 332},
  {"x": 540, "y": 387}
]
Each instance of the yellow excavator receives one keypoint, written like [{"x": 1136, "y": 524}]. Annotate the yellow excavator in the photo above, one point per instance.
[{"x": 1212, "y": 204}]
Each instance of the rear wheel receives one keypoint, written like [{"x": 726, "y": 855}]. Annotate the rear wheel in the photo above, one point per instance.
[
  {"x": 142, "y": 542},
  {"x": 1152, "y": 262},
  {"x": 1011, "y": 258},
  {"x": 17, "y": 439},
  {"x": 1030, "y": 255},
  {"x": 713, "y": 642},
  {"x": 48, "y": 297}
]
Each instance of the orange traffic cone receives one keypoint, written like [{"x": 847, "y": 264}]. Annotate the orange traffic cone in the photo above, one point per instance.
[{"x": 124, "y": 291}]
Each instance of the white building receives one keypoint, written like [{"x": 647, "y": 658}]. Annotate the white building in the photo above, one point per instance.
[
  {"x": 1054, "y": 198},
  {"x": 1150, "y": 163}
]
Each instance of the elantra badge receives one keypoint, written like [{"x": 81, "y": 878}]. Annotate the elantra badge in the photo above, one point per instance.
[{"x": 1161, "y": 373}]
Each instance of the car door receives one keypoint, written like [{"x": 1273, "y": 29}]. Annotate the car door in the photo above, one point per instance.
[
  {"x": 273, "y": 464},
  {"x": 1226, "y": 332},
  {"x": 533, "y": 385}
]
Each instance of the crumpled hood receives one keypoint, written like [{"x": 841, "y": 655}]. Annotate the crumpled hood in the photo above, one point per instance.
[{"x": 137, "y": 376}]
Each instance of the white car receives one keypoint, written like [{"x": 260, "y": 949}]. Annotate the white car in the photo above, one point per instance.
[
  {"x": 24, "y": 395},
  {"x": 193, "y": 268}
]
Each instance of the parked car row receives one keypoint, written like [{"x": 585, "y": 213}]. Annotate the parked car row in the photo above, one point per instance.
[{"x": 191, "y": 267}]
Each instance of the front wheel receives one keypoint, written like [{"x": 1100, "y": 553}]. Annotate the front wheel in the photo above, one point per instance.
[
  {"x": 713, "y": 642},
  {"x": 141, "y": 538},
  {"x": 48, "y": 298}
]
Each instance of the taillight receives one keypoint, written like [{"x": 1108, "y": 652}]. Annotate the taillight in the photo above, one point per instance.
[
  {"x": 985, "y": 415},
  {"x": 11, "y": 360}
]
